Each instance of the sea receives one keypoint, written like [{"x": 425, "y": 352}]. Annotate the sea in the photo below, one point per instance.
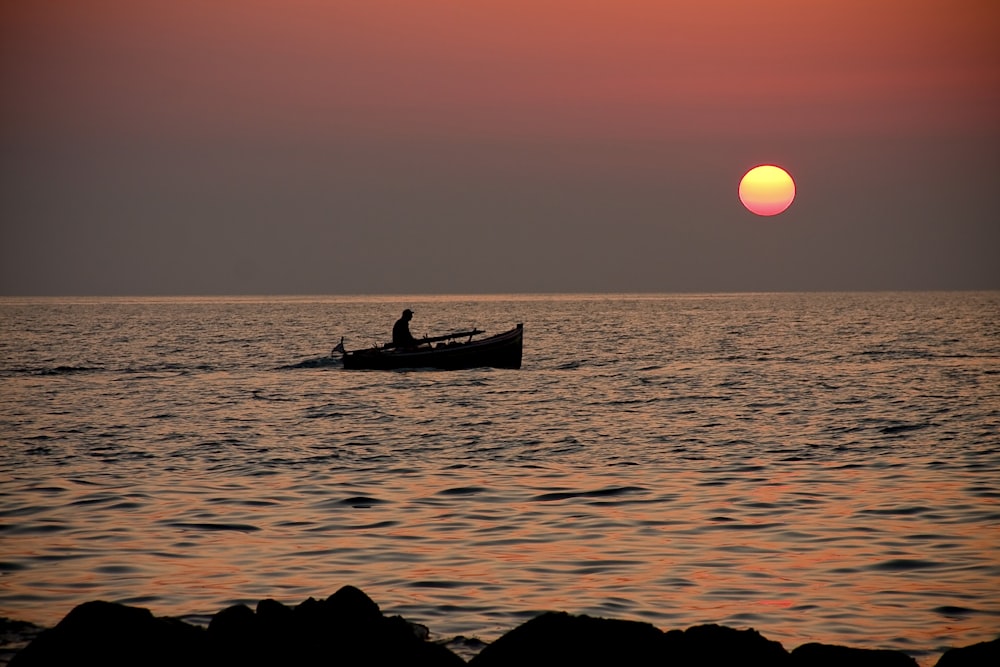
[{"x": 816, "y": 466}]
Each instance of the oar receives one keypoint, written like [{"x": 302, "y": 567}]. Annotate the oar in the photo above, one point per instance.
[{"x": 435, "y": 339}]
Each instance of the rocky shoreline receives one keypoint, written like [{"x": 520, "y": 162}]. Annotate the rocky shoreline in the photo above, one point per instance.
[{"x": 348, "y": 628}]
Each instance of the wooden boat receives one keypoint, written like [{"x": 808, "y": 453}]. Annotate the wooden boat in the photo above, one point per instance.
[{"x": 502, "y": 350}]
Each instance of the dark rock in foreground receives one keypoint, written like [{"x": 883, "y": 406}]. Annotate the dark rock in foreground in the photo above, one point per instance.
[
  {"x": 719, "y": 645},
  {"x": 348, "y": 628},
  {"x": 113, "y": 634},
  {"x": 562, "y": 639},
  {"x": 345, "y": 629},
  {"x": 983, "y": 653}
]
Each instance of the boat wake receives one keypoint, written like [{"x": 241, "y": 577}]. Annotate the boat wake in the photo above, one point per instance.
[{"x": 318, "y": 362}]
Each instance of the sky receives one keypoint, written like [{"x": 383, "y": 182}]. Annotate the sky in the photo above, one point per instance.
[{"x": 188, "y": 147}]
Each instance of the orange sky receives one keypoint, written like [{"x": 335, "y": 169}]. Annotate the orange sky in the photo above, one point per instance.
[
  {"x": 357, "y": 114},
  {"x": 626, "y": 68}
]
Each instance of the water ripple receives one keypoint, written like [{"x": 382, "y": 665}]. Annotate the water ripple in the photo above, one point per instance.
[{"x": 819, "y": 466}]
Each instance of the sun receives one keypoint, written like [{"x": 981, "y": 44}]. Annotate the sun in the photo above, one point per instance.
[{"x": 767, "y": 190}]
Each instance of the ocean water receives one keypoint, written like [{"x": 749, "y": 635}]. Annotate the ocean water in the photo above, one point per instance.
[{"x": 820, "y": 467}]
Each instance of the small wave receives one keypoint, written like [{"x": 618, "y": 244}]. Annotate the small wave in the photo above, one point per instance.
[
  {"x": 437, "y": 584},
  {"x": 361, "y": 501},
  {"x": 954, "y": 612},
  {"x": 12, "y": 567},
  {"x": 603, "y": 566},
  {"x": 96, "y": 500},
  {"x": 906, "y": 565},
  {"x": 880, "y": 354},
  {"x": 173, "y": 369},
  {"x": 36, "y": 528},
  {"x": 984, "y": 492},
  {"x": 462, "y": 491},
  {"x": 63, "y": 370},
  {"x": 257, "y": 396},
  {"x": 374, "y": 526},
  {"x": 116, "y": 569},
  {"x": 898, "y": 511},
  {"x": 902, "y": 428},
  {"x": 239, "y": 527},
  {"x": 724, "y": 523},
  {"x": 598, "y": 493}
]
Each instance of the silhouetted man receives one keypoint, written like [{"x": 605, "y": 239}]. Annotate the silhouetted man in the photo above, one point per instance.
[{"x": 401, "y": 336}]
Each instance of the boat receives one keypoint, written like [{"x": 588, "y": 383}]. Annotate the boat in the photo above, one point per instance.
[{"x": 447, "y": 352}]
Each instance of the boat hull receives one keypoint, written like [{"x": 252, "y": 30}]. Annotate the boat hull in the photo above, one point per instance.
[{"x": 500, "y": 351}]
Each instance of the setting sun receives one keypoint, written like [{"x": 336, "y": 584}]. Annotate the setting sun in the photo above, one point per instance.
[{"x": 767, "y": 190}]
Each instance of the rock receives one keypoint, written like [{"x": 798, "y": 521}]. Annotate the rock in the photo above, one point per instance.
[
  {"x": 233, "y": 621},
  {"x": 983, "y": 654},
  {"x": 719, "y": 645},
  {"x": 348, "y": 628},
  {"x": 235, "y": 637},
  {"x": 111, "y": 634},
  {"x": 562, "y": 639},
  {"x": 559, "y": 638},
  {"x": 350, "y": 604},
  {"x": 827, "y": 655},
  {"x": 345, "y": 629}
]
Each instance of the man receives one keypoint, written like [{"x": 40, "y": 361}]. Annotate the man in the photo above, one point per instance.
[{"x": 401, "y": 336}]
